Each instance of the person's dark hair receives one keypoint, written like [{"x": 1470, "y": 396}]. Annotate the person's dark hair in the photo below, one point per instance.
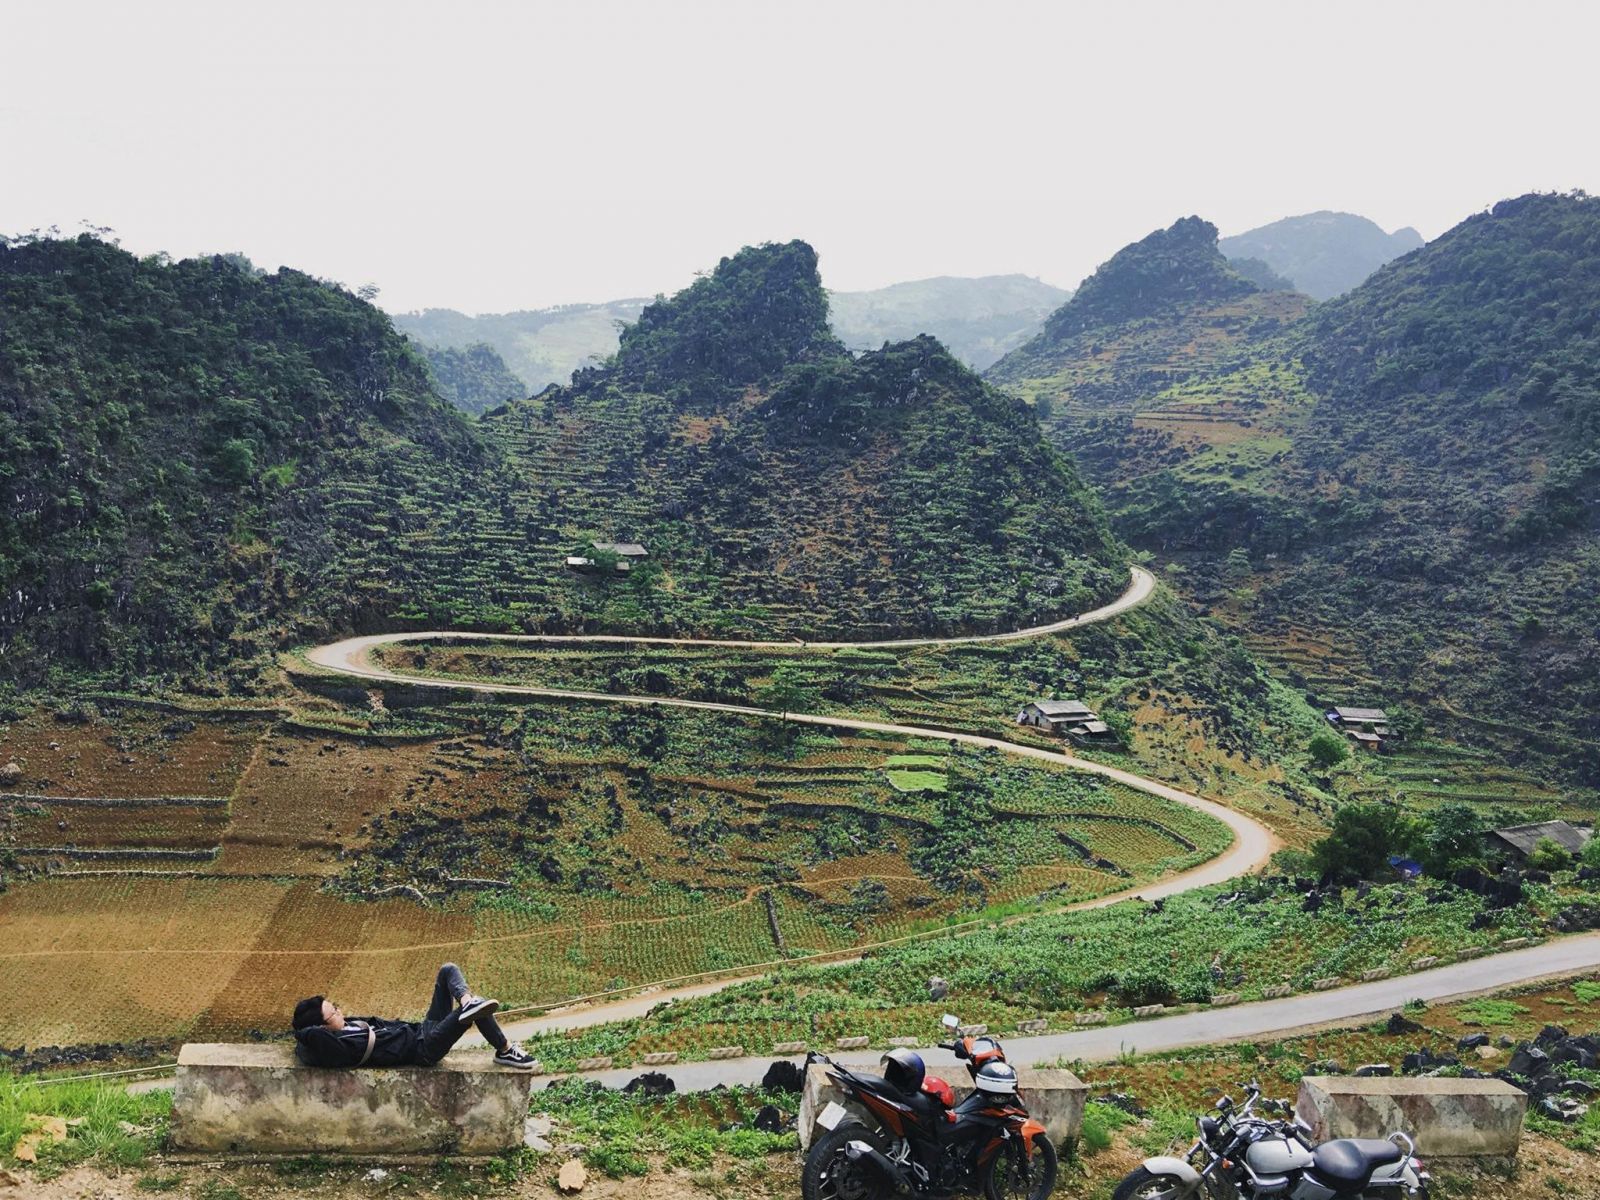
[{"x": 308, "y": 1013}]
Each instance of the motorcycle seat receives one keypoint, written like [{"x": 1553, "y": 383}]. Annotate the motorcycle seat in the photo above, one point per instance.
[{"x": 1352, "y": 1160}]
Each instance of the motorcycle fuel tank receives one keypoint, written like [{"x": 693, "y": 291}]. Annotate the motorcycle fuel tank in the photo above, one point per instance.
[{"x": 1277, "y": 1156}]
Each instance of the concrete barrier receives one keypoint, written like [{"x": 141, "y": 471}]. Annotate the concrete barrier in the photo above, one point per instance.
[
  {"x": 906, "y": 1042},
  {"x": 1328, "y": 984},
  {"x": 1447, "y": 1118},
  {"x": 1423, "y": 963},
  {"x": 258, "y": 1099},
  {"x": 1054, "y": 1096},
  {"x": 725, "y": 1052},
  {"x": 1150, "y": 1010},
  {"x": 600, "y": 1063},
  {"x": 852, "y": 1043},
  {"x": 788, "y": 1047},
  {"x": 1224, "y": 1000},
  {"x": 1277, "y": 991},
  {"x": 661, "y": 1058},
  {"x": 1375, "y": 974},
  {"x": 1036, "y": 1025},
  {"x": 1089, "y": 1018}
]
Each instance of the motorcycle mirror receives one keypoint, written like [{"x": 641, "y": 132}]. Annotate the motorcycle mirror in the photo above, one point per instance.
[
  {"x": 950, "y": 1021},
  {"x": 1224, "y": 1104}
]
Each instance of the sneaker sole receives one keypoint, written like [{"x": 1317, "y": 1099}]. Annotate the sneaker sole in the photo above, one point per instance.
[
  {"x": 468, "y": 1015},
  {"x": 524, "y": 1065}
]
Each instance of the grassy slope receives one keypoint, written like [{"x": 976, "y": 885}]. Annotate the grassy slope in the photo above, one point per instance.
[{"x": 1393, "y": 496}]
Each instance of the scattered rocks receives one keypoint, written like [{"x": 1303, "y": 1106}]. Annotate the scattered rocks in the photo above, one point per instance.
[
  {"x": 1372, "y": 1070},
  {"x": 1472, "y": 1041},
  {"x": 1568, "y": 1112},
  {"x": 11, "y": 772},
  {"x": 938, "y": 988},
  {"x": 783, "y": 1076},
  {"x": 1398, "y": 1025},
  {"x": 651, "y": 1083},
  {"x": 1426, "y": 1060},
  {"x": 769, "y": 1119},
  {"x": 572, "y": 1176},
  {"x": 1123, "y": 1101}
]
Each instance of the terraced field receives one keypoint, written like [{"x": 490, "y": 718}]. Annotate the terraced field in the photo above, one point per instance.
[{"x": 553, "y": 850}]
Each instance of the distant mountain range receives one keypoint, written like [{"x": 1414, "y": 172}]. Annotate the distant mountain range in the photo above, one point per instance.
[
  {"x": 1323, "y": 254},
  {"x": 978, "y": 320},
  {"x": 204, "y": 462},
  {"x": 1395, "y": 493}
]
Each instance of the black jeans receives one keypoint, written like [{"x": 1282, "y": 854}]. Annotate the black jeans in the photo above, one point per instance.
[{"x": 441, "y": 1029}]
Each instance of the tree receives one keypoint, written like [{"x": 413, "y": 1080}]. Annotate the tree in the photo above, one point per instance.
[
  {"x": 1328, "y": 749},
  {"x": 1452, "y": 837},
  {"x": 1549, "y": 855},
  {"x": 236, "y": 461},
  {"x": 790, "y": 690},
  {"x": 1361, "y": 841},
  {"x": 1590, "y": 854}
]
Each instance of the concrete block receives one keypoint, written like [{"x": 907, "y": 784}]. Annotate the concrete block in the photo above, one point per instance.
[
  {"x": 1052, "y": 1095},
  {"x": 1277, "y": 991},
  {"x": 1447, "y": 1118},
  {"x": 662, "y": 1058},
  {"x": 1150, "y": 1010},
  {"x": 1515, "y": 943},
  {"x": 1036, "y": 1025},
  {"x": 1225, "y": 999},
  {"x": 908, "y": 1042},
  {"x": 600, "y": 1063},
  {"x": 1375, "y": 974},
  {"x": 258, "y": 1099},
  {"x": 1471, "y": 952},
  {"x": 725, "y": 1052},
  {"x": 972, "y": 1031},
  {"x": 1323, "y": 985},
  {"x": 852, "y": 1043},
  {"x": 1423, "y": 963},
  {"x": 1089, "y": 1018},
  {"x": 788, "y": 1047}
]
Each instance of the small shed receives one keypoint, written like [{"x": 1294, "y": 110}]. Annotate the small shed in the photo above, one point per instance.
[{"x": 1518, "y": 841}]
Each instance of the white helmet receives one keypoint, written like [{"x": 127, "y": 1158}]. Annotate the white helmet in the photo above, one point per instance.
[{"x": 997, "y": 1078}]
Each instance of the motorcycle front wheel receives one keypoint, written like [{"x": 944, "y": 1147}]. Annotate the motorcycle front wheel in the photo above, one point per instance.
[
  {"x": 1141, "y": 1184},
  {"x": 830, "y": 1175},
  {"x": 1014, "y": 1174}
]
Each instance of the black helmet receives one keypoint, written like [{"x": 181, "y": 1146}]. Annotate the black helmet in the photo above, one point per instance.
[
  {"x": 904, "y": 1070},
  {"x": 997, "y": 1078}
]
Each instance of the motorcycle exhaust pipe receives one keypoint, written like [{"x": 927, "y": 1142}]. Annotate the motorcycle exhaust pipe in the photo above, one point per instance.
[{"x": 859, "y": 1151}]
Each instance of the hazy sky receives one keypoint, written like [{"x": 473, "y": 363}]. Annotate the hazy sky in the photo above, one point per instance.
[{"x": 488, "y": 156}]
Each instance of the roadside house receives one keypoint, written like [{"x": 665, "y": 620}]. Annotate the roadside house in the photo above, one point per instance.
[
  {"x": 626, "y": 553},
  {"x": 1068, "y": 718},
  {"x": 1516, "y": 842}
]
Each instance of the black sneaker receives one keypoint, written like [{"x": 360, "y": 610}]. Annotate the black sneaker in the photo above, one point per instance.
[
  {"x": 473, "y": 1007},
  {"x": 515, "y": 1057}
]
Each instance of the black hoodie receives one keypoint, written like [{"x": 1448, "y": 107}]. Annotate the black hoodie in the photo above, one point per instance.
[{"x": 395, "y": 1045}]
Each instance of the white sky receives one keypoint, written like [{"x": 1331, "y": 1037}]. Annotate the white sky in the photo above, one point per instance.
[{"x": 489, "y": 156}]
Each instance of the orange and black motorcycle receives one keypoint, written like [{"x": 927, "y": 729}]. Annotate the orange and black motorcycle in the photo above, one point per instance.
[{"x": 904, "y": 1134}]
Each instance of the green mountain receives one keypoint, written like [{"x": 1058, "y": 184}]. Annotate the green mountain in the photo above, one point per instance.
[
  {"x": 978, "y": 320},
  {"x": 205, "y": 463},
  {"x": 1324, "y": 254},
  {"x": 472, "y": 378},
  {"x": 540, "y": 346},
  {"x": 789, "y": 487},
  {"x": 1395, "y": 494}
]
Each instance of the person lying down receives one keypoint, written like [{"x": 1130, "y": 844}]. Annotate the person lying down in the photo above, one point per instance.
[{"x": 325, "y": 1037}]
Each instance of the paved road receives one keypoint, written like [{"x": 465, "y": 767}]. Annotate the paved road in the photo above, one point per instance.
[
  {"x": 1244, "y": 1022},
  {"x": 1253, "y": 843}
]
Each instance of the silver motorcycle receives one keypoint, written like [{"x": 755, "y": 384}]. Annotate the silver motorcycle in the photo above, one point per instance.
[{"x": 1241, "y": 1155}]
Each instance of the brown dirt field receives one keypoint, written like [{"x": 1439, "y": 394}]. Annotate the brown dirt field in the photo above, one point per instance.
[
  {"x": 176, "y": 825},
  {"x": 130, "y": 756}
]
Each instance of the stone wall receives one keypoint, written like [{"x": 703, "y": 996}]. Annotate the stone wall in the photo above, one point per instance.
[
  {"x": 257, "y": 1099},
  {"x": 1447, "y": 1118}
]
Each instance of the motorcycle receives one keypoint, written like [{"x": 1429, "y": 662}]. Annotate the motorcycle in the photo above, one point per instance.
[
  {"x": 918, "y": 1141},
  {"x": 1243, "y": 1156}
]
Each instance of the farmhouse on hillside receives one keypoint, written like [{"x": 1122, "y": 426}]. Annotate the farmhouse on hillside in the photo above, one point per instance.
[
  {"x": 1066, "y": 717},
  {"x": 626, "y": 554},
  {"x": 1367, "y": 727},
  {"x": 1516, "y": 842}
]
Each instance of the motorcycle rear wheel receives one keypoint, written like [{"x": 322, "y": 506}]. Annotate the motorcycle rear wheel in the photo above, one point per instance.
[
  {"x": 1140, "y": 1184},
  {"x": 1014, "y": 1174},
  {"x": 829, "y": 1175}
]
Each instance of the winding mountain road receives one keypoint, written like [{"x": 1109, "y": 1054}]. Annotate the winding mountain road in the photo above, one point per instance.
[{"x": 1253, "y": 843}]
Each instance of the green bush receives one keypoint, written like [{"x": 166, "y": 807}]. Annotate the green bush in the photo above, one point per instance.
[{"x": 1328, "y": 749}]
